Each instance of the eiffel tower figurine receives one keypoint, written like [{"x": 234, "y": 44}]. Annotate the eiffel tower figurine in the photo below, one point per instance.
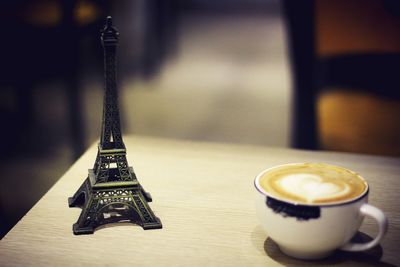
[{"x": 111, "y": 192}]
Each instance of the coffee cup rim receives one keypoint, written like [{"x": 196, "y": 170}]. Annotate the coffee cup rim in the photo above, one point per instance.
[{"x": 337, "y": 203}]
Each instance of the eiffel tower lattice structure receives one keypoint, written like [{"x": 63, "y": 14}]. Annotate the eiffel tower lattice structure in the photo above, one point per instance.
[{"x": 111, "y": 193}]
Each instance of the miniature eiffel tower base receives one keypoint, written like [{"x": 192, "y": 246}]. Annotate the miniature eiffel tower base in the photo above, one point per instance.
[{"x": 119, "y": 202}]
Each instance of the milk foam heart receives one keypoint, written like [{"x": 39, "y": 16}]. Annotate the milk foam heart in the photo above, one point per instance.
[
  {"x": 311, "y": 187},
  {"x": 313, "y": 183}
]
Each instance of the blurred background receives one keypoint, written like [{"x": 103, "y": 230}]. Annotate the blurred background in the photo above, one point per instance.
[{"x": 312, "y": 74}]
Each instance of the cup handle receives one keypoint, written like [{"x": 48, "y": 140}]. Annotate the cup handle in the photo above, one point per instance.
[{"x": 382, "y": 221}]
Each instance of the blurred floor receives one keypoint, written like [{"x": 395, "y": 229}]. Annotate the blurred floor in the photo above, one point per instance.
[
  {"x": 42, "y": 155},
  {"x": 228, "y": 82}
]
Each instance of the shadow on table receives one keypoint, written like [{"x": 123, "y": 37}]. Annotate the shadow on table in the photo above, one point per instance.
[
  {"x": 370, "y": 257},
  {"x": 117, "y": 224}
]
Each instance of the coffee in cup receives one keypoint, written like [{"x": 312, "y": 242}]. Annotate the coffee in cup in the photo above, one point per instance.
[
  {"x": 311, "y": 209},
  {"x": 313, "y": 183}
]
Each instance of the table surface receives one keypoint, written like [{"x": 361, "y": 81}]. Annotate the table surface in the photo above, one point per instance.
[{"x": 203, "y": 193}]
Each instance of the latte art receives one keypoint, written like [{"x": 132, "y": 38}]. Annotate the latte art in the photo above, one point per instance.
[
  {"x": 311, "y": 187},
  {"x": 312, "y": 183}
]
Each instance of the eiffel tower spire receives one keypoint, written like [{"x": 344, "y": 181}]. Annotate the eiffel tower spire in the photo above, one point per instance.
[
  {"x": 111, "y": 148},
  {"x": 111, "y": 192},
  {"x": 111, "y": 127}
]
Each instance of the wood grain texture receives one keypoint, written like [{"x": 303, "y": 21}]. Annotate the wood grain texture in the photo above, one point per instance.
[{"x": 204, "y": 196}]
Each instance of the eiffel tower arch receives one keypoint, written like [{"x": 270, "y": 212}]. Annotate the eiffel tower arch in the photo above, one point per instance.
[{"x": 111, "y": 193}]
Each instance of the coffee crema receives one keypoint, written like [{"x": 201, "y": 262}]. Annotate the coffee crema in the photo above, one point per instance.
[{"x": 312, "y": 183}]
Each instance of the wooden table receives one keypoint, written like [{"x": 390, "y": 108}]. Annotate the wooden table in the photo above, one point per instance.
[{"x": 203, "y": 194}]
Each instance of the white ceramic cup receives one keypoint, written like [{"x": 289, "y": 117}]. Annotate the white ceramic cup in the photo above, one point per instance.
[{"x": 328, "y": 227}]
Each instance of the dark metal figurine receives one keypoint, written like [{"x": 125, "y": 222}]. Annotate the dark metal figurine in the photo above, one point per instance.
[{"x": 111, "y": 192}]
